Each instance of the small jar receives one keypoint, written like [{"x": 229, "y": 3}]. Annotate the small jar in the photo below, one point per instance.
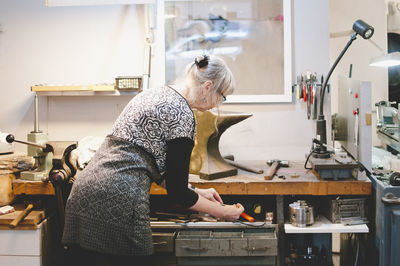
[{"x": 269, "y": 217}]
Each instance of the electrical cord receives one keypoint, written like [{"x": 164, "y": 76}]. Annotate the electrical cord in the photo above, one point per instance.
[
  {"x": 313, "y": 150},
  {"x": 308, "y": 157},
  {"x": 358, "y": 248}
]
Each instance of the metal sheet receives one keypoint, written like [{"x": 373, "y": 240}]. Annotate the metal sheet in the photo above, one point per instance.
[{"x": 354, "y": 132}]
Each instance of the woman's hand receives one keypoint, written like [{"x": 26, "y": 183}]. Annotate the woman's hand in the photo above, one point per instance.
[
  {"x": 232, "y": 212},
  {"x": 210, "y": 194}
]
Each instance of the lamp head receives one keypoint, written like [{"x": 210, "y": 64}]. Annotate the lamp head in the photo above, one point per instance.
[{"x": 363, "y": 29}]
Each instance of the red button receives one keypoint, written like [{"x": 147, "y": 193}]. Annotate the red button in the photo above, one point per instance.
[
  {"x": 354, "y": 112},
  {"x": 356, "y": 95}
]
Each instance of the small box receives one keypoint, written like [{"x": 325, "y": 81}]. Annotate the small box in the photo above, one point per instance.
[
  {"x": 344, "y": 208},
  {"x": 133, "y": 83}
]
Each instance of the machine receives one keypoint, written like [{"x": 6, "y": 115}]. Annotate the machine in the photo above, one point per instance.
[
  {"x": 39, "y": 149},
  {"x": 388, "y": 128},
  {"x": 387, "y": 187},
  {"x": 351, "y": 126},
  {"x": 322, "y": 161}
]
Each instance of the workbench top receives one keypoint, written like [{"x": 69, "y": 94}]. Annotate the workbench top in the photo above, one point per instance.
[{"x": 297, "y": 181}]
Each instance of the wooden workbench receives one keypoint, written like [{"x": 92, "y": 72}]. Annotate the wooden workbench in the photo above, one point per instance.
[
  {"x": 294, "y": 180},
  {"x": 298, "y": 181}
]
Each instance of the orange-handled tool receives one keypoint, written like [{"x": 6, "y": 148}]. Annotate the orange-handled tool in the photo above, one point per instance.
[{"x": 247, "y": 217}]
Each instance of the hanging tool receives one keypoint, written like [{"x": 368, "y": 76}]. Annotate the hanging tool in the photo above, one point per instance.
[
  {"x": 308, "y": 101},
  {"x": 315, "y": 97},
  {"x": 298, "y": 88},
  {"x": 21, "y": 216}
]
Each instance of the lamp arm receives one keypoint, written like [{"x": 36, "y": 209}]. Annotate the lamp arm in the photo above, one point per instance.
[{"x": 321, "y": 105}]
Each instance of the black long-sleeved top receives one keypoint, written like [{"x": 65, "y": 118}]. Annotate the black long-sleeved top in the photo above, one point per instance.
[{"x": 177, "y": 173}]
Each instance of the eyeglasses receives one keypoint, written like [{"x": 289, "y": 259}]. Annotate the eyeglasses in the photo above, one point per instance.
[{"x": 223, "y": 97}]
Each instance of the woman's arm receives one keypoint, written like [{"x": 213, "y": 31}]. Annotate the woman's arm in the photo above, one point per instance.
[
  {"x": 208, "y": 193},
  {"x": 176, "y": 181},
  {"x": 216, "y": 209}
]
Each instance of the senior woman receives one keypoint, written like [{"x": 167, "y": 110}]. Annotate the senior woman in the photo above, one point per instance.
[{"x": 107, "y": 213}]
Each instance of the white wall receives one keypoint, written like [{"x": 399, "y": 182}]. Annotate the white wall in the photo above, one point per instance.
[
  {"x": 65, "y": 45},
  {"x": 342, "y": 16},
  {"x": 84, "y": 45}
]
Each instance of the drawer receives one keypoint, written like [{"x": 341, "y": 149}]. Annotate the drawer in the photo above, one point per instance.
[
  {"x": 163, "y": 241},
  {"x": 27, "y": 247},
  {"x": 224, "y": 261},
  {"x": 20, "y": 242},
  {"x": 21, "y": 260},
  {"x": 232, "y": 243}
]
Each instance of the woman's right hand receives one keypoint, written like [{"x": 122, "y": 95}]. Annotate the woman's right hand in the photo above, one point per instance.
[{"x": 232, "y": 212}]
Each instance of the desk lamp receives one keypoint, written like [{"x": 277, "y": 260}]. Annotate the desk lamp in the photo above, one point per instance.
[{"x": 364, "y": 30}]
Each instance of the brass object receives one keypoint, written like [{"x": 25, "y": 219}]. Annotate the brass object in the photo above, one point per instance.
[{"x": 206, "y": 160}]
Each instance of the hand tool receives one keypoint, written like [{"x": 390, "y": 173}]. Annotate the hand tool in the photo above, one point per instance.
[
  {"x": 301, "y": 87},
  {"x": 309, "y": 101},
  {"x": 274, "y": 165},
  {"x": 271, "y": 171},
  {"x": 244, "y": 167},
  {"x": 315, "y": 101},
  {"x": 298, "y": 88},
  {"x": 247, "y": 217},
  {"x": 20, "y": 217}
]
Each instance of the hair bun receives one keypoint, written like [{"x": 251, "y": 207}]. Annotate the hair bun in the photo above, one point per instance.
[{"x": 201, "y": 61}]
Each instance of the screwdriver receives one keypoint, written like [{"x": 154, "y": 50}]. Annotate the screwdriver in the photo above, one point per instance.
[
  {"x": 243, "y": 214},
  {"x": 246, "y": 216}
]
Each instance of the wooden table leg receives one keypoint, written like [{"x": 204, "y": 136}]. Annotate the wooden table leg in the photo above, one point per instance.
[{"x": 280, "y": 219}]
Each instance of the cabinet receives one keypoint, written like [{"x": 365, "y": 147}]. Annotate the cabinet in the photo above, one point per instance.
[
  {"x": 214, "y": 243},
  {"x": 26, "y": 247}
]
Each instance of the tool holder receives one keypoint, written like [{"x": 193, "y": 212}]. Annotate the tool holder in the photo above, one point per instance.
[{"x": 308, "y": 90}]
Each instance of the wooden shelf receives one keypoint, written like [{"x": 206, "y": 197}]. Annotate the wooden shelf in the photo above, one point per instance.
[
  {"x": 81, "y": 90},
  {"x": 323, "y": 225},
  {"x": 31, "y": 221}
]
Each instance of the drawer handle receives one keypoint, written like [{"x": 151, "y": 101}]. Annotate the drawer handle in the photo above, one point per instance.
[
  {"x": 194, "y": 249},
  {"x": 160, "y": 243},
  {"x": 391, "y": 199},
  {"x": 256, "y": 249}
]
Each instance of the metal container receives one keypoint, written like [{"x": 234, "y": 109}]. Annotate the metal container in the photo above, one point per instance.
[
  {"x": 224, "y": 243},
  {"x": 344, "y": 208},
  {"x": 133, "y": 83},
  {"x": 301, "y": 213}
]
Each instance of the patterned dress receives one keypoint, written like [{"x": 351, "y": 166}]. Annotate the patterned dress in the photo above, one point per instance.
[{"x": 108, "y": 207}]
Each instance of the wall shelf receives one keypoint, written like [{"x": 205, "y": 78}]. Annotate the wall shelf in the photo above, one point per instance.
[{"x": 81, "y": 90}]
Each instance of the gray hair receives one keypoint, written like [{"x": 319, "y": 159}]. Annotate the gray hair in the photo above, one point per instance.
[{"x": 214, "y": 70}]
